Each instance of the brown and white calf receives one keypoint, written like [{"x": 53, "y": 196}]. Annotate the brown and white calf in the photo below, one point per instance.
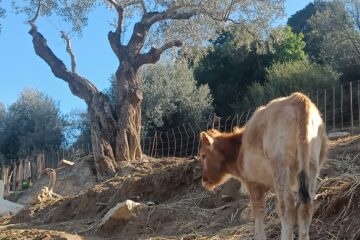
[{"x": 281, "y": 148}]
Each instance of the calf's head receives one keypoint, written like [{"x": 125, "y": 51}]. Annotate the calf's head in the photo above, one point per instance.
[{"x": 218, "y": 153}]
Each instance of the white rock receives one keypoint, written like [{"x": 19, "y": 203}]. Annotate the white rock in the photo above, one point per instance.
[
  {"x": 334, "y": 135},
  {"x": 122, "y": 212}
]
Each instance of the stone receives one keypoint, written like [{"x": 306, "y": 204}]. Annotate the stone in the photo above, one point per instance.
[
  {"x": 122, "y": 213},
  {"x": 335, "y": 135}
]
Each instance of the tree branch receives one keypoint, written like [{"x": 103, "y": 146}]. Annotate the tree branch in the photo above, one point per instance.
[
  {"x": 154, "y": 53},
  {"x": 69, "y": 51},
  {"x": 78, "y": 85},
  {"x": 141, "y": 28},
  {"x": 32, "y": 21},
  {"x": 115, "y": 37},
  {"x": 143, "y": 6}
]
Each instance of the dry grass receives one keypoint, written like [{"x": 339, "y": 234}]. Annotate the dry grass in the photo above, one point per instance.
[{"x": 187, "y": 212}]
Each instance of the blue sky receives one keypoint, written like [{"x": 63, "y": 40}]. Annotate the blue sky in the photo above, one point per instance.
[{"x": 21, "y": 68}]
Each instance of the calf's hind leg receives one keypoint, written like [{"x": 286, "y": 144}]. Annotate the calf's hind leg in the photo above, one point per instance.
[{"x": 285, "y": 201}]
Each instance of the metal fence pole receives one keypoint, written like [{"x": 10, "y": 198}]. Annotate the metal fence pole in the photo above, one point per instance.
[
  {"x": 232, "y": 122},
  {"x": 247, "y": 116},
  {"x": 351, "y": 108},
  {"x": 341, "y": 106},
  {"x": 162, "y": 145},
  {"x": 153, "y": 145},
  {"x": 317, "y": 99},
  {"x": 187, "y": 141},
  {"x": 334, "y": 108},
  {"x": 194, "y": 139},
  {"x": 239, "y": 120},
  {"x": 226, "y": 123},
  {"x": 173, "y": 131},
  {"x": 181, "y": 141},
  {"x": 358, "y": 99},
  {"x": 325, "y": 106},
  {"x": 168, "y": 140}
]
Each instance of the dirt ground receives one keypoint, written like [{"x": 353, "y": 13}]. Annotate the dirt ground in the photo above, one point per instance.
[{"x": 177, "y": 207}]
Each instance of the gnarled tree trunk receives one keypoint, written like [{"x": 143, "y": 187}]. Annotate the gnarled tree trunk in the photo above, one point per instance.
[{"x": 115, "y": 129}]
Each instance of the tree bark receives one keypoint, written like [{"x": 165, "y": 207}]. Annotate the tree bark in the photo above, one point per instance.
[
  {"x": 129, "y": 112},
  {"x": 102, "y": 118}
]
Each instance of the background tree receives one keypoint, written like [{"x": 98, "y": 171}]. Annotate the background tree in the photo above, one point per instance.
[
  {"x": 284, "y": 78},
  {"x": 331, "y": 35},
  {"x": 171, "y": 97},
  {"x": 290, "y": 48},
  {"x": 237, "y": 58},
  {"x": 33, "y": 122},
  {"x": 77, "y": 129},
  {"x": 115, "y": 129}
]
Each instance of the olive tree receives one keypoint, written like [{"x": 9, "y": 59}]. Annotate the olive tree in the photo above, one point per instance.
[
  {"x": 159, "y": 25},
  {"x": 33, "y": 122}
]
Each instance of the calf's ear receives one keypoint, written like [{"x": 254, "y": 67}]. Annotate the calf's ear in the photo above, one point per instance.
[{"x": 206, "y": 139}]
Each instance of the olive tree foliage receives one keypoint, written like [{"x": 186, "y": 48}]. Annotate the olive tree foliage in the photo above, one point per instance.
[
  {"x": 2, "y": 14},
  {"x": 33, "y": 122},
  {"x": 159, "y": 25},
  {"x": 284, "y": 78},
  {"x": 171, "y": 97}
]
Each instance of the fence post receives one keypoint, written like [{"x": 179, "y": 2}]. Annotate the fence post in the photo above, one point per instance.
[
  {"x": 14, "y": 177},
  {"x": 239, "y": 120},
  {"x": 358, "y": 99},
  {"x": 247, "y": 116},
  {"x": 181, "y": 141},
  {"x": 153, "y": 145},
  {"x": 194, "y": 139},
  {"x": 187, "y": 142},
  {"x": 232, "y": 122},
  {"x": 162, "y": 145},
  {"x": 317, "y": 99},
  {"x": 226, "y": 123},
  {"x": 351, "y": 109},
  {"x": 325, "y": 106},
  {"x": 341, "y": 106},
  {"x": 168, "y": 140},
  {"x": 174, "y": 142},
  {"x": 334, "y": 108}
]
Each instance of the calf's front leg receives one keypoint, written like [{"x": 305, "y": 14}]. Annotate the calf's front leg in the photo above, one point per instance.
[{"x": 257, "y": 198}]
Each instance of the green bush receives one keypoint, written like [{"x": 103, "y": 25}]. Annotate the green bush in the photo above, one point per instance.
[{"x": 284, "y": 78}]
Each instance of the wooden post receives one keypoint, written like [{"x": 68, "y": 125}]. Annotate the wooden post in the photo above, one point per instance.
[
  {"x": 5, "y": 171},
  {"x": 14, "y": 176}
]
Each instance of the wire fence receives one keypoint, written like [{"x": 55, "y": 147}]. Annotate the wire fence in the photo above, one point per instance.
[{"x": 339, "y": 105}]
